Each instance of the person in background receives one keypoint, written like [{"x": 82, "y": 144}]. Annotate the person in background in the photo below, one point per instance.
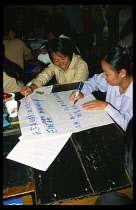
[
  {"x": 15, "y": 49},
  {"x": 13, "y": 76},
  {"x": 97, "y": 16},
  {"x": 112, "y": 17},
  {"x": 63, "y": 24},
  {"x": 88, "y": 23},
  {"x": 72, "y": 12},
  {"x": 117, "y": 81},
  {"x": 41, "y": 20},
  {"x": 52, "y": 31},
  {"x": 126, "y": 34},
  {"x": 128, "y": 25},
  {"x": 66, "y": 66},
  {"x": 117, "y": 198}
]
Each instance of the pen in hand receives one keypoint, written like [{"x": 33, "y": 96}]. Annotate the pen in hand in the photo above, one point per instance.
[{"x": 80, "y": 85}]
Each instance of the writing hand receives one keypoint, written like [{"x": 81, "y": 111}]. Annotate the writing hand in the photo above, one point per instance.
[
  {"x": 73, "y": 98},
  {"x": 26, "y": 91},
  {"x": 94, "y": 105}
]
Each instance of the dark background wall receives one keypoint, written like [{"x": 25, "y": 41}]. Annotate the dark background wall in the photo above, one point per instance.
[{"x": 26, "y": 17}]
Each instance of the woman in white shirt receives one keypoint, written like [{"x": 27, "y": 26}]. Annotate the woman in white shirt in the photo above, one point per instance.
[{"x": 117, "y": 81}]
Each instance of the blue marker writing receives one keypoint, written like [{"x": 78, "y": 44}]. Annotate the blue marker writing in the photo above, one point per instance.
[{"x": 80, "y": 85}]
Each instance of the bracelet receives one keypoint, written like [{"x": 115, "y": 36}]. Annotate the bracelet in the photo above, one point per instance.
[{"x": 31, "y": 88}]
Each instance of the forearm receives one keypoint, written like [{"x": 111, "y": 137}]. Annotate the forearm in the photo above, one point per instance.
[
  {"x": 119, "y": 117},
  {"x": 36, "y": 54},
  {"x": 94, "y": 84},
  {"x": 42, "y": 78},
  {"x": 29, "y": 57}
]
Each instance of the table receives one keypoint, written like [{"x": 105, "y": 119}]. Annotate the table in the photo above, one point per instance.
[{"x": 89, "y": 164}]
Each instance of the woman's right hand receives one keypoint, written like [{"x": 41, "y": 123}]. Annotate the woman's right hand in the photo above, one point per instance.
[
  {"x": 26, "y": 91},
  {"x": 73, "y": 98}
]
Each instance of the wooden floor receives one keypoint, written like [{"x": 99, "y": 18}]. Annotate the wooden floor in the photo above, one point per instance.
[{"x": 91, "y": 200}]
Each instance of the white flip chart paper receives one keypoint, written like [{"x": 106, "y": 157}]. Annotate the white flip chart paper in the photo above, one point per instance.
[
  {"x": 55, "y": 113},
  {"x": 47, "y": 121}
]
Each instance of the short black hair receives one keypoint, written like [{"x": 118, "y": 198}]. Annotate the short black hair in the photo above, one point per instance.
[
  {"x": 53, "y": 28},
  {"x": 62, "y": 46},
  {"x": 7, "y": 28}
]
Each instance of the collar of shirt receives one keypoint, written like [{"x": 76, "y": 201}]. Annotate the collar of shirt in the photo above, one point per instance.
[{"x": 129, "y": 91}]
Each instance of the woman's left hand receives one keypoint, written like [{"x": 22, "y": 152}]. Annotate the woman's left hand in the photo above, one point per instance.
[{"x": 94, "y": 105}]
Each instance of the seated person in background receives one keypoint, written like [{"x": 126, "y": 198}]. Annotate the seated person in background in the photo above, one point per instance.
[
  {"x": 66, "y": 66},
  {"x": 53, "y": 31},
  {"x": 117, "y": 198},
  {"x": 72, "y": 13},
  {"x": 63, "y": 23},
  {"x": 13, "y": 76},
  {"x": 117, "y": 81},
  {"x": 15, "y": 49}
]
